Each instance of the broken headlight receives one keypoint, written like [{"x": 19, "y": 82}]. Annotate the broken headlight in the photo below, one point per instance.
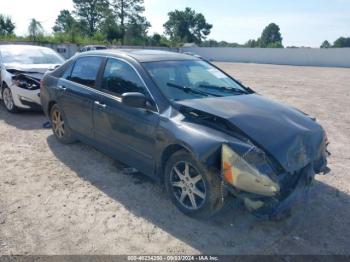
[
  {"x": 27, "y": 84},
  {"x": 248, "y": 172}
]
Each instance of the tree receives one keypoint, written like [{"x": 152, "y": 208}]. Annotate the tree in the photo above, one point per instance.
[
  {"x": 326, "y": 44},
  {"x": 158, "y": 40},
  {"x": 214, "y": 43},
  {"x": 275, "y": 45},
  {"x": 271, "y": 37},
  {"x": 65, "y": 22},
  {"x": 91, "y": 13},
  {"x": 210, "y": 43},
  {"x": 129, "y": 16},
  {"x": 110, "y": 28},
  {"x": 7, "y": 27},
  {"x": 136, "y": 32},
  {"x": 35, "y": 29},
  {"x": 342, "y": 42},
  {"x": 187, "y": 26},
  {"x": 252, "y": 43},
  {"x": 67, "y": 27},
  {"x": 155, "y": 39}
]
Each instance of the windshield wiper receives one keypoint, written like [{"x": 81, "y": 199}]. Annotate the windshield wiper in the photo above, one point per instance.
[
  {"x": 226, "y": 89},
  {"x": 191, "y": 90}
]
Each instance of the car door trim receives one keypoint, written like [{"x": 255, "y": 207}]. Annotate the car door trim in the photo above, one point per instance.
[{"x": 94, "y": 90}]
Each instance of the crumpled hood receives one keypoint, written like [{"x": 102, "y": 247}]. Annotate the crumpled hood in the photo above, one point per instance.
[
  {"x": 287, "y": 134},
  {"x": 30, "y": 68}
]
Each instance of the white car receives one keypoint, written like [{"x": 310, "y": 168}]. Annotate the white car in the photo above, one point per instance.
[{"x": 22, "y": 68}]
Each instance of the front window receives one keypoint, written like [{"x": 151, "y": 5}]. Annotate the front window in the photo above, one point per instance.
[
  {"x": 120, "y": 78},
  {"x": 191, "y": 79},
  {"x": 24, "y": 55}
]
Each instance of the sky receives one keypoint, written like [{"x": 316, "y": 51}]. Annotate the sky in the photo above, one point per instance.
[{"x": 302, "y": 22}]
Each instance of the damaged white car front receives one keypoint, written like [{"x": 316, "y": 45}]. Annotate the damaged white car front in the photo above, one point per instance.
[{"x": 22, "y": 68}]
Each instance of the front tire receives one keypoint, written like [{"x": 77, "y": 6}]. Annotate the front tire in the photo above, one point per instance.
[
  {"x": 194, "y": 190},
  {"x": 60, "y": 127},
  {"x": 8, "y": 100}
]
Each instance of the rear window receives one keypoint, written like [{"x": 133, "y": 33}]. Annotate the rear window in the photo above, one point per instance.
[{"x": 85, "y": 71}]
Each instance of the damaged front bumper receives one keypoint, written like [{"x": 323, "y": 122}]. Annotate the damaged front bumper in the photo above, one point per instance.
[
  {"x": 294, "y": 190},
  {"x": 265, "y": 189},
  {"x": 25, "y": 98}
]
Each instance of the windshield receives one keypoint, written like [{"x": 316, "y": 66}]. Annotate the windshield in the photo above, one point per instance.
[
  {"x": 30, "y": 55},
  {"x": 191, "y": 79}
]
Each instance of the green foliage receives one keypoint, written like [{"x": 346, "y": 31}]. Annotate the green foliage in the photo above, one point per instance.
[
  {"x": 111, "y": 28},
  {"x": 35, "y": 30},
  {"x": 342, "y": 42},
  {"x": 326, "y": 44},
  {"x": 90, "y": 13},
  {"x": 252, "y": 43},
  {"x": 214, "y": 43},
  {"x": 187, "y": 26},
  {"x": 65, "y": 22},
  {"x": 132, "y": 24},
  {"x": 67, "y": 27},
  {"x": 99, "y": 37},
  {"x": 7, "y": 38},
  {"x": 210, "y": 43},
  {"x": 271, "y": 37},
  {"x": 275, "y": 45},
  {"x": 158, "y": 40},
  {"x": 7, "y": 27},
  {"x": 136, "y": 31},
  {"x": 122, "y": 22}
]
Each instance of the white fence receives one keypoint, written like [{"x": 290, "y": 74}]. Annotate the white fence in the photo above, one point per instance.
[{"x": 332, "y": 57}]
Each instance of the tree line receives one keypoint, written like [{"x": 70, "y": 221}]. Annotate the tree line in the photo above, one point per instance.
[
  {"x": 122, "y": 22},
  {"x": 119, "y": 22},
  {"x": 270, "y": 38},
  {"x": 340, "y": 42}
]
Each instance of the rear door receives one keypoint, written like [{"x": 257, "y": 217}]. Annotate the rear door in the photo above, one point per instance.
[
  {"x": 128, "y": 132},
  {"x": 78, "y": 93}
]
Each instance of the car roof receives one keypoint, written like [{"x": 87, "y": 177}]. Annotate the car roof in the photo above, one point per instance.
[
  {"x": 143, "y": 55},
  {"x": 22, "y": 47}
]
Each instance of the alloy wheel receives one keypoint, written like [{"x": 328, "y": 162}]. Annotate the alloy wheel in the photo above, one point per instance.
[
  {"x": 57, "y": 123},
  {"x": 8, "y": 99},
  {"x": 188, "y": 185}
]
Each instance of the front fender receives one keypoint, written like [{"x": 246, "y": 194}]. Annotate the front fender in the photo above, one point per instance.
[{"x": 203, "y": 142}]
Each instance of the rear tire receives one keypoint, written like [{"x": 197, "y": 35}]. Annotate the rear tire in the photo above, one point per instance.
[
  {"x": 192, "y": 188},
  {"x": 8, "y": 100},
  {"x": 60, "y": 126}
]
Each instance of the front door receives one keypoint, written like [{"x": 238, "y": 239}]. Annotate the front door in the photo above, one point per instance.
[{"x": 129, "y": 132}]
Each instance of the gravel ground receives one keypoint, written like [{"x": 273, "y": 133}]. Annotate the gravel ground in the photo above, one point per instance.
[{"x": 58, "y": 199}]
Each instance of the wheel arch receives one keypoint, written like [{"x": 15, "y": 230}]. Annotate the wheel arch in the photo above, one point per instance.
[
  {"x": 3, "y": 85},
  {"x": 167, "y": 153},
  {"x": 50, "y": 105}
]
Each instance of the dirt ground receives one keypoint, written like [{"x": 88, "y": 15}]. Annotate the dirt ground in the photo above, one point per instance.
[{"x": 57, "y": 199}]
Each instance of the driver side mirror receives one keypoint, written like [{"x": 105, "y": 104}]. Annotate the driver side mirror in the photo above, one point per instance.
[{"x": 134, "y": 99}]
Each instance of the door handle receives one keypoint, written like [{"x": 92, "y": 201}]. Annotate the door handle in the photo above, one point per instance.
[
  {"x": 99, "y": 104},
  {"x": 63, "y": 88}
]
